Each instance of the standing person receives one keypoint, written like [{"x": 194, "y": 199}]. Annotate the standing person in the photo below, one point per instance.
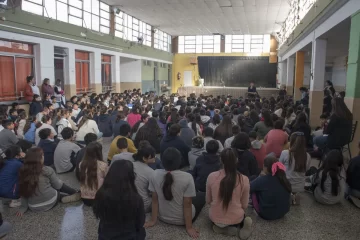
[
  {"x": 297, "y": 161},
  {"x": 263, "y": 127},
  {"x": 59, "y": 94},
  {"x": 39, "y": 187},
  {"x": 276, "y": 139},
  {"x": 134, "y": 116},
  {"x": 329, "y": 88},
  {"x": 224, "y": 130},
  {"x": 31, "y": 89},
  {"x": 227, "y": 193},
  {"x": 252, "y": 92},
  {"x": 92, "y": 172},
  {"x": 46, "y": 88},
  {"x": 119, "y": 206},
  {"x": 271, "y": 193},
  {"x": 174, "y": 198}
]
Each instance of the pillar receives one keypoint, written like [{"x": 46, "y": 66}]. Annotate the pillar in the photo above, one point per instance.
[
  {"x": 316, "y": 94},
  {"x": 70, "y": 74},
  {"x": 352, "y": 97},
  {"x": 282, "y": 71},
  {"x": 115, "y": 68},
  {"x": 95, "y": 72},
  {"x": 44, "y": 58},
  {"x": 290, "y": 76},
  {"x": 299, "y": 74}
]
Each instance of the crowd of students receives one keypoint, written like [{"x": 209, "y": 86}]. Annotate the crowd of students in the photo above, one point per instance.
[{"x": 240, "y": 153}]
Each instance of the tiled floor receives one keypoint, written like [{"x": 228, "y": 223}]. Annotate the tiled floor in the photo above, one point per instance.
[{"x": 308, "y": 221}]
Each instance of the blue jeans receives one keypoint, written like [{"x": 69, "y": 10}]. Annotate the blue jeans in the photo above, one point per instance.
[
  {"x": 157, "y": 164},
  {"x": 320, "y": 141}
]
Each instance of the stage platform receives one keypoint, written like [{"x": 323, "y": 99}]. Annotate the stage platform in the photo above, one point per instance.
[{"x": 233, "y": 91}]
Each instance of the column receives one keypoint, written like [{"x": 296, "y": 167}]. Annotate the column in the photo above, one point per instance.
[
  {"x": 352, "y": 97},
  {"x": 290, "y": 76},
  {"x": 70, "y": 74},
  {"x": 282, "y": 71},
  {"x": 115, "y": 70},
  {"x": 44, "y": 58},
  {"x": 316, "y": 94},
  {"x": 95, "y": 72},
  {"x": 299, "y": 74}
]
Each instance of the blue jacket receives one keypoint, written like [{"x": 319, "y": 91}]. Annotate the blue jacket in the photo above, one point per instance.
[
  {"x": 273, "y": 198},
  {"x": 116, "y": 127},
  {"x": 30, "y": 134},
  {"x": 179, "y": 144},
  {"x": 35, "y": 108},
  {"x": 48, "y": 148},
  {"x": 104, "y": 124},
  {"x": 205, "y": 164},
  {"x": 9, "y": 178}
]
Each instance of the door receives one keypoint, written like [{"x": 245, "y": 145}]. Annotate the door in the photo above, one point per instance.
[
  {"x": 59, "y": 70},
  {"x": 188, "y": 78}
]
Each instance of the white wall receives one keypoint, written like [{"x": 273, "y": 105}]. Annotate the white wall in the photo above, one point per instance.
[
  {"x": 307, "y": 74},
  {"x": 130, "y": 71},
  {"x": 339, "y": 72}
]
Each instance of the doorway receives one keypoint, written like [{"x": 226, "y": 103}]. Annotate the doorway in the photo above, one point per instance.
[
  {"x": 59, "y": 70},
  {"x": 188, "y": 78}
]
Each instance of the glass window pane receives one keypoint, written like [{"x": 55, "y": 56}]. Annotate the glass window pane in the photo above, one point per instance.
[
  {"x": 237, "y": 41},
  {"x": 247, "y": 38},
  {"x": 37, "y": 1},
  {"x": 87, "y": 19},
  {"x": 62, "y": 12},
  {"x": 104, "y": 14},
  {"x": 63, "y": 1},
  {"x": 129, "y": 23},
  {"x": 189, "y": 50},
  {"x": 208, "y": 42},
  {"x": 104, "y": 22},
  {"x": 198, "y": 49},
  {"x": 103, "y": 6},
  {"x": 87, "y": 5},
  {"x": 75, "y": 12},
  {"x": 76, "y": 3},
  {"x": 75, "y": 20},
  {"x": 208, "y": 50},
  {"x": 181, "y": 40},
  {"x": 199, "y": 40},
  {"x": 32, "y": 7},
  {"x": 119, "y": 27},
  {"x": 190, "y": 42},
  {"x": 95, "y": 7},
  {"x": 135, "y": 27},
  {"x": 104, "y": 29},
  {"x": 217, "y": 39},
  {"x": 247, "y": 47},
  {"x": 181, "y": 49},
  {"x": 118, "y": 34},
  {"x": 227, "y": 47},
  {"x": 50, "y": 8},
  {"x": 95, "y": 22}
]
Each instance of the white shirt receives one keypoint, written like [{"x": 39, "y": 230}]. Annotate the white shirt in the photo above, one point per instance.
[
  {"x": 43, "y": 126},
  {"x": 89, "y": 127},
  {"x": 35, "y": 89}
]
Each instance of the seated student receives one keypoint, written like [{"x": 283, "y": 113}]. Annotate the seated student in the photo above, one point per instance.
[
  {"x": 92, "y": 172},
  {"x": 8, "y": 137},
  {"x": 62, "y": 121},
  {"x": 48, "y": 144},
  {"x": 75, "y": 111},
  {"x": 43, "y": 113},
  {"x": 119, "y": 206},
  {"x": 9, "y": 172},
  {"x": 89, "y": 138},
  {"x": 46, "y": 123},
  {"x": 353, "y": 177},
  {"x": 174, "y": 198},
  {"x": 123, "y": 154},
  {"x": 319, "y": 131},
  {"x": 297, "y": 161},
  {"x": 124, "y": 133},
  {"x": 301, "y": 125},
  {"x": 119, "y": 121},
  {"x": 247, "y": 163},
  {"x": 144, "y": 157},
  {"x": 55, "y": 104},
  {"x": 235, "y": 131},
  {"x": 227, "y": 193},
  {"x": 13, "y": 114},
  {"x": 186, "y": 133},
  {"x": 208, "y": 134},
  {"x": 207, "y": 163},
  {"x": 39, "y": 187},
  {"x": 328, "y": 183},
  {"x": 271, "y": 193},
  {"x": 204, "y": 118},
  {"x": 215, "y": 121},
  {"x": 21, "y": 121},
  {"x": 150, "y": 132},
  {"x": 87, "y": 125},
  {"x": 65, "y": 152},
  {"x": 196, "y": 150},
  {"x": 263, "y": 127},
  {"x": 35, "y": 106},
  {"x": 104, "y": 123},
  {"x": 276, "y": 139},
  {"x": 258, "y": 149},
  {"x": 30, "y": 129}
]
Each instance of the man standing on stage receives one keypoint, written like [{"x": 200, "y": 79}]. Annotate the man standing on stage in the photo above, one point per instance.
[{"x": 252, "y": 90}]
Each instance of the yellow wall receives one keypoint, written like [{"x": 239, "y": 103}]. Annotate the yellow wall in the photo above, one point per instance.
[{"x": 181, "y": 63}]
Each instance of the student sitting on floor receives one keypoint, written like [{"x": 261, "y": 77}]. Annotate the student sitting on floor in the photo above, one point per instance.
[
  {"x": 208, "y": 134},
  {"x": 207, "y": 163},
  {"x": 258, "y": 149},
  {"x": 196, "y": 150},
  {"x": 89, "y": 138},
  {"x": 48, "y": 144},
  {"x": 174, "y": 198},
  {"x": 8, "y": 137},
  {"x": 271, "y": 192},
  {"x": 297, "y": 161},
  {"x": 227, "y": 192},
  {"x": 39, "y": 187},
  {"x": 65, "y": 152},
  {"x": 9, "y": 172},
  {"x": 30, "y": 129},
  {"x": 46, "y": 123},
  {"x": 92, "y": 172},
  {"x": 328, "y": 183},
  {"x": 276, "y": 139},
  {"x": 124, "y": 133},
  {"x": 62, "y": 121},
  {"x": 235, "y": 131},
  {"x": 119, "y": 206}
]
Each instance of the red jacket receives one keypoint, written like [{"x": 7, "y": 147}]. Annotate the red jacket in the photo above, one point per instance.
[{"x": 28, "y": 93}]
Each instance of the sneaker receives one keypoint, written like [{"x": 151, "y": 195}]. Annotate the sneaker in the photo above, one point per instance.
[
  {"x": 71, "y": 198},
  {"x": 5, "y": 228},
  {"x": 245, "y": 232},
  {"x": 295, "y": 199},
  {"x": 15, "y": 203},
  {"x": 229, "y": 231}
]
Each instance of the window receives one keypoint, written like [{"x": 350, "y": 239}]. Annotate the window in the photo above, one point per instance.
[
  {"x": 106, "y": 73},
  {"x": 130, "y": 28},
  {"x": 91, "y": 14},
  {"x": 199, "y": 44},
  {"x": 16, "y": 63},
  {"x": 162, "y": 40},
  {"x": 82, "y": 63},
  {"x": 247, "y": 43}
]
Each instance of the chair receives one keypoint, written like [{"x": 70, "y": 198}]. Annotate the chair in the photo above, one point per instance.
[{"x": 347, "y": 146}]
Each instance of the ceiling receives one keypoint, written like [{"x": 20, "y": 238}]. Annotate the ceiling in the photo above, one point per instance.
[{"x": 204, "y": 17}]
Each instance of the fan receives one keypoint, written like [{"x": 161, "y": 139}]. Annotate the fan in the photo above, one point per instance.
[{"x": 140, "y": 40}]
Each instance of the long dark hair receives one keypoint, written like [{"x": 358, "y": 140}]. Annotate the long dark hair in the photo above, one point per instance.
[
  {"x": 331, "y": 165},
  {"x": 149, "y": 130},
  {"x": 267, "y": 118},
  {"x": 340, "y": 109},
  {"x": 225, "y": 127},
  {"x": 84, "y": 119},
  {"x": 30, "y": 172},
  {"x": 300, "y": 119},
  {"x": 232, "y": 177},
  {"x": 145, "y": 150},
  {"x": 28, "y": 123},
  {"x": 298, "y": 151},
  {"x": 117, "y": 199},
  {"x": 120, "y": 115},
  {"x": 88, "y": 168},
  {"x": 280, "y": 174},
  {"x": 171, "y": 160}
]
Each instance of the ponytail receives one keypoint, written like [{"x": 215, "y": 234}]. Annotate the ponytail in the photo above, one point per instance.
[{"x": 167, "y": 191}]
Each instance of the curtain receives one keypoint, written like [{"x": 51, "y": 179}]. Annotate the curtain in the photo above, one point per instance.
[
  {"x": 237, "y": 71},
  {"x": 7, "y": 78},
  {"x": 24, "y": 68}
]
